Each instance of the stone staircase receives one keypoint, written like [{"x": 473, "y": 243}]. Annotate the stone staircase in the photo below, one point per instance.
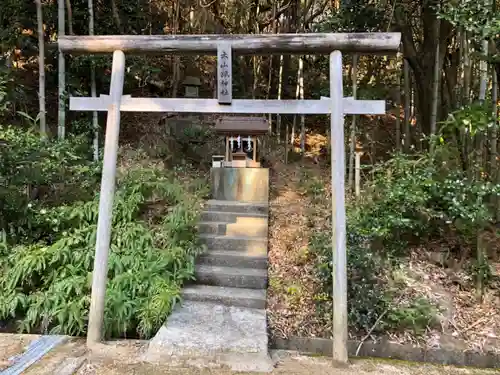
[
  {"x": 233, "y": 271},
  {"x": 223, "y": 318}
]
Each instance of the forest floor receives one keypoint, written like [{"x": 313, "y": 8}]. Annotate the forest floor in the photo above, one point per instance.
[
  {"x": 124, "y": 357},
  {"x": 294, "y": 290}
]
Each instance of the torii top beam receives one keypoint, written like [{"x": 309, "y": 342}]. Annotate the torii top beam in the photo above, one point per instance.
[{"x": 250, "y": 44}]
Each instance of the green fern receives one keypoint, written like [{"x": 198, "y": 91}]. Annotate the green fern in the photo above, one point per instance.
[{"x": 46, "y": 284}]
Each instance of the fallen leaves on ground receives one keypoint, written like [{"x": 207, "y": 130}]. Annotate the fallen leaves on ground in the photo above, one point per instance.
[
  {"x": 292, "y": 286},
  {"x": 465, "y": 323}
]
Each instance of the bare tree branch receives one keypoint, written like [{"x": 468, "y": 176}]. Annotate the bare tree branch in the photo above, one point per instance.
[
  {"x": 318, "y": 12},
  {"x": 275, "y": 16}
]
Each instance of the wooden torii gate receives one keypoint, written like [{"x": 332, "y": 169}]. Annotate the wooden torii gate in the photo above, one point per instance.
[{"x": 224, "y": 46}]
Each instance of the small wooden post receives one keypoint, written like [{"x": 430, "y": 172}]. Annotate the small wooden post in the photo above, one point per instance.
[
  {"x": 227, "y": 148},
  {"x": 338, "y": 212},
  {"x": 357, "y": 170},
  {"x": 224, "y": 74},
  {"x": 254, "y": 141},
  {"x": 100, "y": 272}
]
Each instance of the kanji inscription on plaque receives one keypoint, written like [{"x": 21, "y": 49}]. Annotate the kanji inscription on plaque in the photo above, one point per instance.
[{"x": 224, "y": 73}]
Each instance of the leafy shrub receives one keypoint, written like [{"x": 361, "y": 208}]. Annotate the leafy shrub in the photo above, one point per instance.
[
  {"x": 312, "y": 186},
  {"x": 197, "y": 134},
  {"x": 418, "y": 198},
  {"x": 46, "y": 285},
  {"x": 416, "y": 316},
  {"x": 369, "y": 295},
  {"x": 47, "y": 243},
  {"x": 365, "y": 292},
  {"x": 13, "y": 96},
  {"x": 4, "y": 92},
  {"x": 197, "y": 145},
  {"x": 33, "y": 170},
  {"x": 412, "y": 199}
]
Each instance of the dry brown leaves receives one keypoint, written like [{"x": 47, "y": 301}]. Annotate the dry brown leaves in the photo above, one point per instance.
[
  {"x": 466, "y": 323},
  {"x": 291, "y": 303}
]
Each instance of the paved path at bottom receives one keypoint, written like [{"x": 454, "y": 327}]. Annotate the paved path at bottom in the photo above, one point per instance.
[
  {"x": 293, "y": 365},
  {"x": 124, "y": 358}
]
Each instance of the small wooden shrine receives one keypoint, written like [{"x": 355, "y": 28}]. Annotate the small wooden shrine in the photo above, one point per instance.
[{"x": 241, "y": 141}]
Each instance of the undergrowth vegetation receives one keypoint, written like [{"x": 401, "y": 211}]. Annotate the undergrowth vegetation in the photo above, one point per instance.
[
  {"x": 409, "y": 202},
  {"x": 48, "y": 240}
]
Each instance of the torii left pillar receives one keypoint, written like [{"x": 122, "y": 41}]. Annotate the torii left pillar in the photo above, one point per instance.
[{"x": 100, "y": 272}]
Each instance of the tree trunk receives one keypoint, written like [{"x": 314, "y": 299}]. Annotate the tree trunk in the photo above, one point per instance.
[
  {"x": 280, "y": 89},
  {"x": 417, "y": 114},
  {"x": 299, "y": 94},
  {"x": 116, "y": 16},
  {"x": 176, "y": 63},
  {"x": 93, "y": 91},
  {"x": 481, "y": 263},
  {"x": 494, "y": 140},
  {"x": 150, "y": 17},
  {"x": 41, "y": 67},
  {"x": 270, "y": 77},
  {"x": 302, "y": 117},
  {"x": 256, "y": 75},
  {"x": 407, "y": 92},
  {"x": 268, "y": 95},
  {"x": 461, "y": 87},
  {"x": 480, "y": 142},
  {"x": 460, "y": 69},
  {"x": 483, "y": 81},
  {"x": 352, "y": 138},
  {"x": 466, "y": 101},
  {"x": 61, "y": 123},
  {"x": 420, "y": 51},
  {"x": 287, "y": 147},
  {"x": 398, "y": 104},
  {"x": 467, "y": 69},
  {"x": 494, "y": 131},
  {"x": 70, "y": 17},
  {"x": 435, "y": 89},
  {"x": 483, "y": 68}
]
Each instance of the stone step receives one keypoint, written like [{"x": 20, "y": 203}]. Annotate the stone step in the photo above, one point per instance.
[
  {"x": 212, "y": 227},
  {"x": 213, "y": 335},
  {"x": 229, "y": 217},
  {"x": 251, "y": 228},
  {"x": 251, "y": 298},
  {"x": 252, "y": 245},
  {"x": 232, "y": 259},
  {"x": 237, "y": 207},
  {"x": 231, "y": 277}
]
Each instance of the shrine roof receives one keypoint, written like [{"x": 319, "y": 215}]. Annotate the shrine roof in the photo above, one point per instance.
[{"x": 239, "y": 125}]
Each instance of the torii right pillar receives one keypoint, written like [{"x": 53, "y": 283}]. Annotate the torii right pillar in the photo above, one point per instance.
[{"x": 339, "y": 252}]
